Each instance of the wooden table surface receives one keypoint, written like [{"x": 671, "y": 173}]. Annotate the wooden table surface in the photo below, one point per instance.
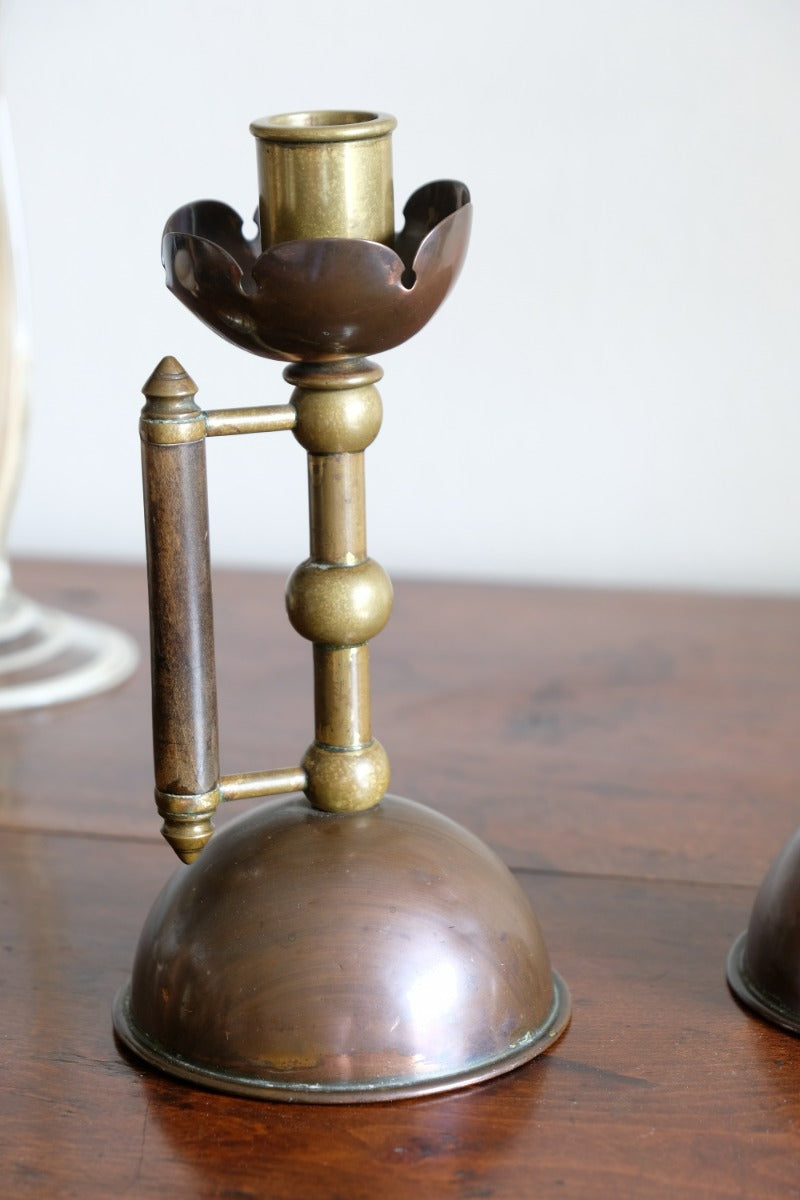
[{"x": 647, "y": 748}]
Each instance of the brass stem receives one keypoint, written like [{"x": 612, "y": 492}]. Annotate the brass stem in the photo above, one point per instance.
[
  {"x": 339, "y": 598},
  {"x": 341, "y": 696},
  {"x": 337, "y": 518}
]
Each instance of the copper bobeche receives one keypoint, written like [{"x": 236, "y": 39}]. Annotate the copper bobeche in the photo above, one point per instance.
[{"x": 319, "y": 299}]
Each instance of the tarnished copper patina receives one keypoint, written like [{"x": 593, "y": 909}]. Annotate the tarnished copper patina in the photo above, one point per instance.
[
  {"x": 340, "y": 944},
  {"x": 764, "y": 962},
  {"x": 313, "y": 957},
  {"x": 323, "y": 298}
]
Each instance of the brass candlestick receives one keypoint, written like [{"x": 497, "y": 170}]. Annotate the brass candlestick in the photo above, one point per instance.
[{"x": 343, "y": 944}]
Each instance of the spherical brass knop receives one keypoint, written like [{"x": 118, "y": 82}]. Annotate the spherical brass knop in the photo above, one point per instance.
[
  {"x": 339, "y": 606},
  {"x": 337, "y": 422},
  {"x": 346, "y": 780}
]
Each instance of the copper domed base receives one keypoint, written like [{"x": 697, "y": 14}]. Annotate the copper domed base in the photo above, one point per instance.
[
  {"x": 336, "y": 958},
  {"x": 764, "y": 962}
]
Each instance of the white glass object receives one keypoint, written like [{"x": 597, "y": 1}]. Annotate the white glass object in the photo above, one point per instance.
[{"x": 46, "y": 656}]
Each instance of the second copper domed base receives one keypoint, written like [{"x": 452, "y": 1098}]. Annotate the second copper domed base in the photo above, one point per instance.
[
  {"x": 326, "y": 958},
  {"x": 746, "y": 989},
  {"x": 764, "y": 961}
]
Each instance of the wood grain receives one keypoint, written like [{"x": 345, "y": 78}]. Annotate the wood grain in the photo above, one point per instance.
[
  {"x": 634, "y": 757},
  {"x": 639, "y": 734},
  {"x": 660, "y": 1079}
]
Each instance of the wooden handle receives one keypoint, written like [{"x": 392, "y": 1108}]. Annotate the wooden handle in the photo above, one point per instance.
[{"x": 185, "y": 742}]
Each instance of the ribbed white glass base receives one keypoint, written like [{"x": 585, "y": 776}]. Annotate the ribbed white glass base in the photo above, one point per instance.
[{"x": 49, "y": 657}]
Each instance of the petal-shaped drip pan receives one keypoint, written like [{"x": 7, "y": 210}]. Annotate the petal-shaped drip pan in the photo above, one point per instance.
[{"x": 320, "y": 299}]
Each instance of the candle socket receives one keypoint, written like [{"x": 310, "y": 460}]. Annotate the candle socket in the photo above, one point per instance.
[{"x": 325, "y": 175}]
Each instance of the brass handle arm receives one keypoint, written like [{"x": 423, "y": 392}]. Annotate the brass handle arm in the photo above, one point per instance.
[
  {"x": 251, "y": 785},
  {"x": 185, "y": 740},
  {"x": 268, "y": 419}
]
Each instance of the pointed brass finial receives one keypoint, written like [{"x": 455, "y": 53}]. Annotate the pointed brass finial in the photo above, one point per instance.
[
  {"x": 170, "y": 415},
  {"x": 188, "y": 826},
  {"x": 169, "y": 381}
]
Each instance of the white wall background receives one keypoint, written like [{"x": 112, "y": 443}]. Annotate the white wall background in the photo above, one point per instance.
[{"x": 610, "y": 394}]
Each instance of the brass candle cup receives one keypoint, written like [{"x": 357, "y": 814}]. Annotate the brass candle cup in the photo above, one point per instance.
[
  {"x": 342, "y": 944},
  {"x": 325, "y": 175}
]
